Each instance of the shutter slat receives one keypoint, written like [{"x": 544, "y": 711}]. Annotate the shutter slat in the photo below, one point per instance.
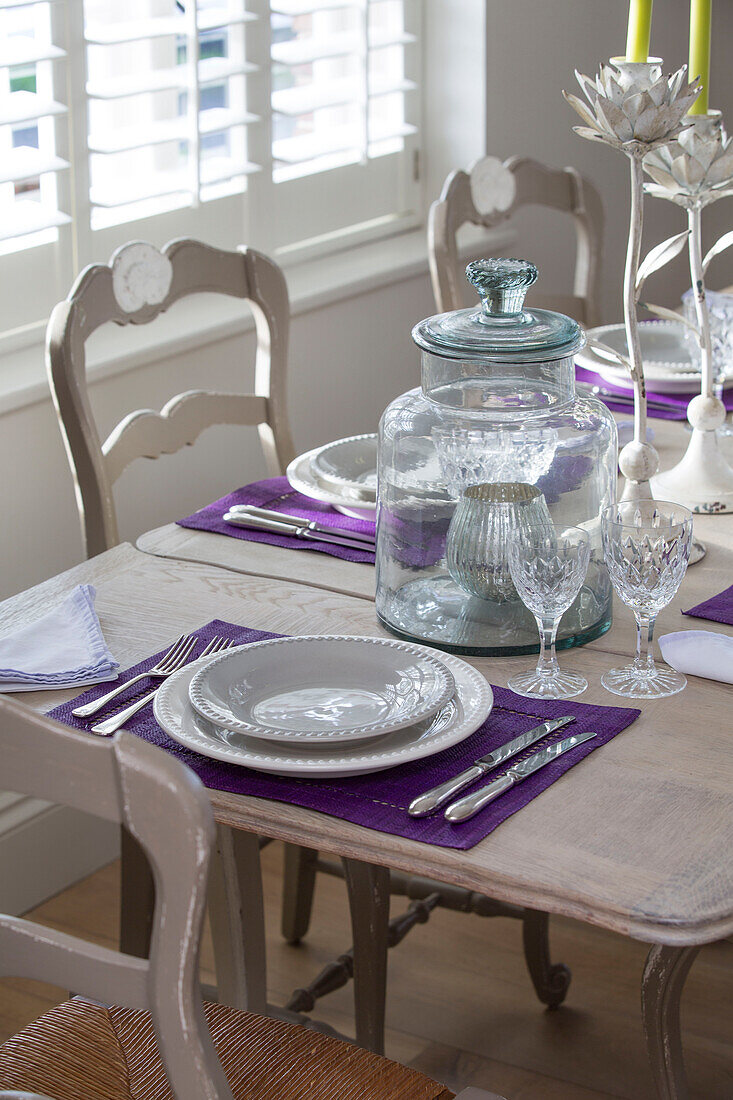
[
  {"x": 22, "y": 218},
  {"x": 28, "y": 107},
  {"x": 142, "y": 30},
  {"x": 175, "y": 129},
  {"x": 211, "y": 71},
  {"x": 168, "y": 183},
  {"x": 20, "y": 50},
  {"x": 312, "y": 97},
  {"x": 318, "y": 48},
  {"x": 25, "y": 163}
]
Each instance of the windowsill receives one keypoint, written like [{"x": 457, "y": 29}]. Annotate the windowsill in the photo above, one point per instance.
[{"x": 311, "y": 285}]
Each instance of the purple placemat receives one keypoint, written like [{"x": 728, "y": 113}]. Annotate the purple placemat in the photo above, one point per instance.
[
  {"x": 677, "y": 402},
  {"x": 277, "y": 493},
  {"x": 379, "y": 801},
  {"x": 718, "y": 608}
]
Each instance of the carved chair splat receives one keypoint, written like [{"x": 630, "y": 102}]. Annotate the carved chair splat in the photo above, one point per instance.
[{"x": 492, "y": 191}]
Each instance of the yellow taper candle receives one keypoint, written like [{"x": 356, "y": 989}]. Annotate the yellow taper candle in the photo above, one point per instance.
[
  {"x": 700, "y": 21},
  {"x": 640, "y": 27}
]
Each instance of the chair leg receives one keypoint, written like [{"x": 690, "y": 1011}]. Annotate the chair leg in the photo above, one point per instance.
[
  {"x": 137, "y": 898},
  {"x": 368, "y": 889},
  {"x": 299, "y": 880},
  {"x": 236, "y": 915},
  {"x": 550, "y": 980},
  {"x": 664, "y": 977}
]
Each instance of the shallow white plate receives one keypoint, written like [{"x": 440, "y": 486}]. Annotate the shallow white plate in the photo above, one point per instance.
[
  {"x": 319, "y": 689},
  {"x": 348, "y": 464},
  {"x": 303, "y": 480},
  {"x": 669, "y": 366},
  {"x": 457, "y": 720}
]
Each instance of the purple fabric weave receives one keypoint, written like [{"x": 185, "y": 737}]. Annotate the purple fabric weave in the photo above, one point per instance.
[
  {"x": 677, "y": 402},
  {"x": 276, "y": 493},
  {"x": 718, "y": 608},
  {"x": 380, "y": 800}
]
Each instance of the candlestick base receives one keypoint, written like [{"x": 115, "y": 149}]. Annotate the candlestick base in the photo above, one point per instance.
[{"x": 702, "y": 481}]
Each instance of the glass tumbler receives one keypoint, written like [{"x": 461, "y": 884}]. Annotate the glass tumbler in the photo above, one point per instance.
[
  {"x": 480, "y": 531},
  {"x": 646, "y": 544},
  {"x": 548, "y": 565}
]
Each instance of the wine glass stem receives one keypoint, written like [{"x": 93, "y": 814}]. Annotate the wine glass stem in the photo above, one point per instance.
[
  {"x": 547, "y": 663},
  {"x": 644, "y": 635}
]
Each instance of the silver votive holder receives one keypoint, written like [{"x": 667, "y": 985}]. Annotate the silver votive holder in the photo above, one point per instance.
[{"x": 485, "y": 519}]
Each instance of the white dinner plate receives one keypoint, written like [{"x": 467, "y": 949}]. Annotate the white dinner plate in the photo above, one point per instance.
[
  {"x": 303, "y": 480},
  {"x": 349, "y": 464},
  {"x": 457, "y": 720},
  {"x": 317, "y": 689},
  {"x": 669, "y": 365}
]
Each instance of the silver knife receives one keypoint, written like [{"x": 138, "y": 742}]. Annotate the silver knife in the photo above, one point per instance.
[
  {"x": 431, "y": 800},
  {"x": 256, "y": 523},
  {"x": 466, "y": 807},
  {"x": 297, "y": 521}
]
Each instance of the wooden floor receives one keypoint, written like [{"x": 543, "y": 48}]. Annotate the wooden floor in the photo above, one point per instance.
[{"x": 461, "y": 1006}]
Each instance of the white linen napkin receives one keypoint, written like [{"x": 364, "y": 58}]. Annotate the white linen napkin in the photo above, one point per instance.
[
  {"x": 699, "y": 653},
  {"x": 64, "y": 648}
]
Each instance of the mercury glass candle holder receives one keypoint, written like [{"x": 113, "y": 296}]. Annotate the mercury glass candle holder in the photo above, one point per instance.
[{"x": 485, "y": 520}]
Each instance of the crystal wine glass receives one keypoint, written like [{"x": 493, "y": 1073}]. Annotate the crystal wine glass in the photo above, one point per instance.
[
  {"x": 548, "y": 566},
  {"x": 646, "y": 544}
]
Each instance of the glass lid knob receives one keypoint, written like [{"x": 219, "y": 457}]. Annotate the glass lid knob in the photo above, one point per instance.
[{"x": 501, "y": 284}]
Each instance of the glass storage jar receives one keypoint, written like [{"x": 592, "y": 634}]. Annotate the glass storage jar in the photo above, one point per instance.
[{"x": 498, "y": 409}]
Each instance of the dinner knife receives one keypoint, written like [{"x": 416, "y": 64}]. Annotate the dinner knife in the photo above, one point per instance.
[
  {"x": 297, "y": 521},
  {"x": 256, "y": 523},
  {"x": 431, "y": 800},
  {"x": 467, "y": 807}
]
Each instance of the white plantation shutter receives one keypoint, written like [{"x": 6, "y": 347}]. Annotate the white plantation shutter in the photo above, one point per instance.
[
  {"x": 290, "y": 125},
  {"x": 29, "y": 163}
]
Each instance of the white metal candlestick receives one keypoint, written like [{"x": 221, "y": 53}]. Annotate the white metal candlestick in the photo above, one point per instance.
[
  {"x": 694, "y": 171},
  {"x": 633, "y": 107}
]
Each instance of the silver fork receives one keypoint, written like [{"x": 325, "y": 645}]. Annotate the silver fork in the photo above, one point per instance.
[
  {"x": 111, "y": 725},
  {"x": 167, "y": 664}
]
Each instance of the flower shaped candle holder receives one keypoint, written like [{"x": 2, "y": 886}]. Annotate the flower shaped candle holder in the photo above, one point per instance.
[
  {"x": 632, "y": 106},
  {"x": 694, "y": 170}
]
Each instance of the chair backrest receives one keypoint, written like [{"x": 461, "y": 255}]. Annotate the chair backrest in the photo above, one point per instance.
[
  {"x": 165, "y": 807},
  {"x": 137, "y": 285},
  {"x": 492, "y": 191}
]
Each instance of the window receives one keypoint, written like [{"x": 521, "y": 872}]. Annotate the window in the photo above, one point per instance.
[{"x": 290, "y": 125}]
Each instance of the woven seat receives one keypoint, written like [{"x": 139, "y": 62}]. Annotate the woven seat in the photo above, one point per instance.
[{"x": 84, "y": 1051}]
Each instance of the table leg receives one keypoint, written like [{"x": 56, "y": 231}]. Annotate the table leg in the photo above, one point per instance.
[
  {"x": 550, "y": 980},
  {"x": 661, "y": 988},
  {"x": 236, "y": 914},
  {"x": 299, "y": 880},
  {"x": 137, "y": 898},
  {"x": 368, "y": 889}
]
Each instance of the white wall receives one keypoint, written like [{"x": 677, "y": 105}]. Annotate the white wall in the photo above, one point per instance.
[{"x": 532, "y": 51}]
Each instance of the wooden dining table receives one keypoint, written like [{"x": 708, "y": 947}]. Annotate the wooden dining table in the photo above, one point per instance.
[{"x": 636, "y": 838}]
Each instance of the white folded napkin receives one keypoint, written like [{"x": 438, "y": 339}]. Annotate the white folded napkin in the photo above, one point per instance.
[
  {"x": 699, "y": 653},
  {"x": 64, "y": 648}
]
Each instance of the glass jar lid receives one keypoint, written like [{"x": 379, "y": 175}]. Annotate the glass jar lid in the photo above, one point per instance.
[{"x": 501, "y": 330}]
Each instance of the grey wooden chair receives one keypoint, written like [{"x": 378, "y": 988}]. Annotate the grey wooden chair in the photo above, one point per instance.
[
  {"x": 144, "y": 1033},
  {"x": 492, "y": 191},
  {"x": 137, "y": 285}
]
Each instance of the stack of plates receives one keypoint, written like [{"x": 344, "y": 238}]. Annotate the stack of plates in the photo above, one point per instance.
[
  {"x": 671, "y": 360},
  {"x": 323, "y": 706},
  {"x": 342, "y": 473}
]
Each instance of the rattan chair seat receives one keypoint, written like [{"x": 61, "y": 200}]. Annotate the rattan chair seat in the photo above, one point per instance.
[{"x": 85, "y": 1051}]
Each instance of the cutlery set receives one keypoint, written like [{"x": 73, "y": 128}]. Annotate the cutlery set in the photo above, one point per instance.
[
  {"x": 179, "y": 655},
  {"x": 470, "y": 805},
  {"x": 278, "y": 523}
]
